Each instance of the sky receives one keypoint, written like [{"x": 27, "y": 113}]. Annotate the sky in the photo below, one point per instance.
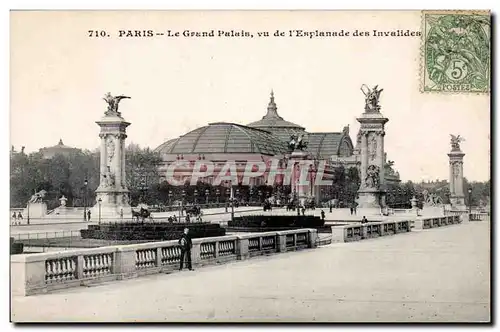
[{"x": 59, "y": 76}]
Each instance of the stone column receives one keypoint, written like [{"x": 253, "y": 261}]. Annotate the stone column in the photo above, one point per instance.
[
  {"x": 372, "y": 126},
  {"x": 452, "y": 180},
  {"x": 112, "y": 197},
  {"x": 102, "y": 167},
  {"x": 124, "y": 174},
  {"x": 381, "y": 161},
  {"x": 118, "y": 161},
  {"x": 364, "y": 157},
  {"x": 457, "y": 198}
]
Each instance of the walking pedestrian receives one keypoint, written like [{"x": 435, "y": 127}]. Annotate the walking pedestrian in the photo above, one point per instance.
[
  {"x": 186, "y": 245},
  {"x": 19, "y": 216},
  {"x": 14, "y": 216},
  {"x": 322, "y": 215},
  {"x": 88, "y": 215}
]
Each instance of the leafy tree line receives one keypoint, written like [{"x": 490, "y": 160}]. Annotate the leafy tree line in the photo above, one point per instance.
[
  {"x": 66, "y": 175},
  {"x": 401, "y": 194}
]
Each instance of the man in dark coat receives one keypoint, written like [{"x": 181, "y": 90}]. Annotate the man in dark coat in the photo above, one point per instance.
[{"x": 186, "y": 245}]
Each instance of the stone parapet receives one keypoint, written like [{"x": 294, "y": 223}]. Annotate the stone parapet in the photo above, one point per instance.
[
  {"x": 426, "y": 223},
  {"x": 357, "y": 232},
  {"x": 45, "y": 272}
]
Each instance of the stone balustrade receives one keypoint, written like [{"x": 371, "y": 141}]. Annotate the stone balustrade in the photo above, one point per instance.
[
  {"x": 357, "y": 232},
  {"x": 45, "y": 272},
  {"x": 428, "y": 222},
  {"x": 478, "y": 216}
]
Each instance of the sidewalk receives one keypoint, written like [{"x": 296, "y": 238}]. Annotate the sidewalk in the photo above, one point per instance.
[{"x": 434, "y": 275}]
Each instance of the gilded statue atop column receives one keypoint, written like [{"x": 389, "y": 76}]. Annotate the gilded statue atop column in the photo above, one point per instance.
[
  {"x": 372, "y": 97},
  {"x": 455, "y": 142},
  {"x": 113, "y": 103}
]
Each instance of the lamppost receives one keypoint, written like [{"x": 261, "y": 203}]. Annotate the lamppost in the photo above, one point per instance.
[
  {"x": 195, "y": 196},
  {"x": 227, "y": 194},
  {"x": 85, "y": 183},
  {"x": 232, "y": 203},
  {"x": 207, "y": 192},
  {"x": 28, "y": 218},
  {"x": 217, "y": 193},
  {"x": 144, "y": 188},
  {"x": 297, "y": 202},
  {"x": 182, "y": 204},
  {"x": 260, "y": 195},
  {"x": 170, "y": 198},
  {"x": 470, "y": 203},
  {"x": 99, "y": 201}
]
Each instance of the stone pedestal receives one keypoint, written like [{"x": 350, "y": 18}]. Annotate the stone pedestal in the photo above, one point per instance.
[
  {"x": 112, "y": 193},
  {"x": 371, "y": 193},
  {"x": 301, "y": 182},
  {"x": 414, "y": 203},
  {"x": 457, "y": 197},
  {"x": 35, "y": 210}
]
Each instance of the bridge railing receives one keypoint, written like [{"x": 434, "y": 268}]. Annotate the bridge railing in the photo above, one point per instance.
[
  {"x": 45, "y": 272},
  {"x": 356, "y": 232}
]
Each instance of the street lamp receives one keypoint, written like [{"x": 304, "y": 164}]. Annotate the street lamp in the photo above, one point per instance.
[
  {"x": 99, "y": 201},
  {"x": 232, "y": 203},
  {"x": 28, "y": 218},
  {"x": 207, "y": 192},
  {"x": 250, "y": 198},
  {"x": 217, "y": 193},
  {"x": 298, "y": 203},
  {"x": 85, "y": 183},
  {"x": 182, "y": 203},
  {"x": 170, "y": 198},
  {"x": 470, "y": 203},
  {"x": 195, "y": 196}
]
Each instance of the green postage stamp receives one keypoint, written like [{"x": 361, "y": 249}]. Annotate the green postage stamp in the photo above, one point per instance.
[{"x": 456, "y": 51}]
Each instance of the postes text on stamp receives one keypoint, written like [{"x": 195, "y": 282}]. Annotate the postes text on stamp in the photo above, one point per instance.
[{"x": 456, "y": 52}]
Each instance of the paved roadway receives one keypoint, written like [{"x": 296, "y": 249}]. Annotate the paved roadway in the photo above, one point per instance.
[
  {"x": 218, "y": 215},
  {"x": 436, "y": 275}
]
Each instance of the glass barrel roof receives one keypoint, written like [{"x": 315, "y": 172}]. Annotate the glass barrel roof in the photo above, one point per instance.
[
  {"x": 225, "y": 138},
  {"x": 324, "y": 145}
]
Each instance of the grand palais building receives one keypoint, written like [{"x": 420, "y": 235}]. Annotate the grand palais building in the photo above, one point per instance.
[{"x": 261, "y": 140}]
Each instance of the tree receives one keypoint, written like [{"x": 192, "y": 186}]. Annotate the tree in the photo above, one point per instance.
[
  {"x": 60, "y": 175},
  {"x": 141, "y": 166}
]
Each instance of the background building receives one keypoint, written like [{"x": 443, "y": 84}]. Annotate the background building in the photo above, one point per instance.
[
  {"x": 60, "y": 148},
  {"x": 261, "y": 140}
]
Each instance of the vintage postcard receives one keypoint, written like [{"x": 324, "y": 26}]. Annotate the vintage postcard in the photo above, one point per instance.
[{"x": 250, "y": 166}]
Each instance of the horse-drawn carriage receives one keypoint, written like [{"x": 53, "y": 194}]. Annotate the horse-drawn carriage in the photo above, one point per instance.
[
  {"x": 142, "y": 214},
  {"x": 267, "y": 205},
  {"x": 194, "y": 210}
]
